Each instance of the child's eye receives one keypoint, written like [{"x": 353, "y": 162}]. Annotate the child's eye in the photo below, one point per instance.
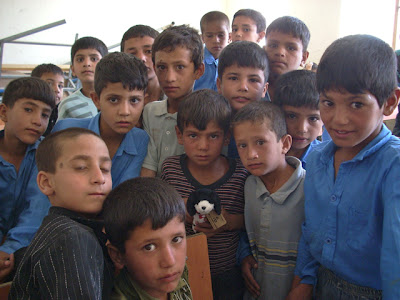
[
  {"x": 105, "y": 170},
  {"x": 234, "y": 29},
  {"x": 80, "y": 168},
  {"x": 291, "y": 48},
  {"x": 209, "y": 36},
  {"x": 214, "y": 136},
  {"x": 241, "y": 146},
  {"x": 192, "y": 135},
  {"x": 94, "y": 58},
  {"x": 180, "y": 67},
  {"x": 272, "y": 45},
  {"x": 28, "y": 109},
  {"x": 313, "y": 119},
  {"x": 149, "y": 247},
  {"x": 135, "y": 100},
  {"x": 113, "y": 100},
  {"x": 148, "y": 52},
  {"x": 60, "y": 86},
  {"x": 246, "y": 29},
  {"x": 290, "y": 116},
  {"x": 357, "y": 105},
  {"x": 260, "y": 142},
  {"x": 232, "y": 78},
  {"x": 45, "y": 116},
  {"x": 177, "y": 239},
  {"x": 326, "y": 103},
  {"x": 254, "y": 80},
  {"x": 221, "y": 36},
  {"x": 161, "y": 67}
]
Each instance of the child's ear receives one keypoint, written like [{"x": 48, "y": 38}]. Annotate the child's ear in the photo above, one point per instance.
[
  {"x": 391, "y": 103},
  {"x": 286, "y": 143},
  {"x": 261, "y": 35},
  {"x": 73, "y": 71},
  {"x": 95, "y": 99},
  {"x": 304, "y": 58},
  {"x": 200, "y": 71},
  {"x": 219, "y": 85},
  {"x": 3, "y": 112},
  {"x": 265, "y": 89},
  {"x": 116, "y": 256},
  {"x": 179, "y": 135},
  {"x": 45, "y": 183}
]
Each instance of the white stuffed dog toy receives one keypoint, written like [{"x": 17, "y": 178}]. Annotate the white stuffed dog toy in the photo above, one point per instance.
[{"x": 200, "y": 203}]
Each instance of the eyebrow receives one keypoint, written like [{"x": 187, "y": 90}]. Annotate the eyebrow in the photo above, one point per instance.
[{"x": 87, "y": 157}]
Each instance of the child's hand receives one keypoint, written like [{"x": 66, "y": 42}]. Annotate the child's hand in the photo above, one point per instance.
[
  {"x": 207, "y": 229},
  {"x": 6, "y": 265},
  {"x": 233, "y": 221},
  {"x": 300, "y": 291},
  {"x": 249, "y": 263}
]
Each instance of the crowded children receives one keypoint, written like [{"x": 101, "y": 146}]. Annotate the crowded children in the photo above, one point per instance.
[
  {"x": 203, "y": 129},
  {"x": 296, "y": 92},
  {"x": 248, "y": 25},
  {"x": 25, "y": 110},
  {"x": 178, "y": 61},
  {"x": 138, "y": 40},
  {"x": 120, "y": 85},
  {"x": 85, "y": 54},
  {"x": 54, "y": 76},
  {"x": 349, "y": 246},
  {"x": 274, "y": 200},
  {"x": 215, "y": 34},
  {"x": 286, "y": 45},
  {"x": 242, "y": 78},
  {"x": 67, "y": 256},
  {"x": 147, "y": 244}
]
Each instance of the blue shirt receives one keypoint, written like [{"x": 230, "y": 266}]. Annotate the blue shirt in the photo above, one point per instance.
[
  {"x": 352, "y": 222},
  {"x": 309, "y": 149},
  {"x": 22, "y": 205},
  {"x": 128, "y": 159},
  {"x": 209, "y": 78}
]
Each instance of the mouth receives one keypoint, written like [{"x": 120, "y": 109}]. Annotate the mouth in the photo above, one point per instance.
[
  {"x": 278, "y": 63},
  {"x": 341, "y": 133},
  {"x": 170, "y": 277},
  {"x": 299, "y": 139},
  {"x": 253, "y": 166},
  {"x": 87, "y": 72},
  {"x": 202, "y": 157},
  {"x": 97, "y": 194},
  {"x": 124, "y": 124},
  {"x": 34, "y": 131},
  {"x": 241, "y": 99},
  {"x": 170, "y": 89}
]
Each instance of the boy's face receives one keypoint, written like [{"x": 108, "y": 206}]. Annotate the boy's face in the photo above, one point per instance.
[
  {"x": 175, "y": 72},
  {"x": 285, "y": 52},
  {"x": 56, "y": 82},
  {"x": 155, "y": 259},
  {"x": 84, "y": 64},
  {"x": 27, "y": 120},
  {"x": 141, "y": 48},
  {"x": 242, "y": 85},
  {"x": 216, "y": 37},
  {"x": 303, "y": 124},
  {"x": 203, "y": 147},
  {"x": 258, "y": 148},
  {"x": 352, "y": 120},
  {"x": 245, "y": 29},
  {"x": 82, "y": 178},
  {"x": 120, "y": 108}
]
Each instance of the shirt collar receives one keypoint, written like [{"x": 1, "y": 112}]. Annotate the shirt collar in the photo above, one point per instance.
[{"x": 208, "y": 57}]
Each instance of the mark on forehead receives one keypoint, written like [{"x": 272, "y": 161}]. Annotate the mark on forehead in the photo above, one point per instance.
[{"x": 61, "y": 165}]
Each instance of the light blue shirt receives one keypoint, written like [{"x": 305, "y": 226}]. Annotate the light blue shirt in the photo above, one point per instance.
[
  {"x": 128, "y": 159},
  {"x": 352, "y": 222},
  {"x": 22, "y": 205},
  {"x": 209, "y": 78}
]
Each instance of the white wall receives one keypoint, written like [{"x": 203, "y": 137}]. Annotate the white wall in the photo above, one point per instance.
[{"x": 109, "y": 19}]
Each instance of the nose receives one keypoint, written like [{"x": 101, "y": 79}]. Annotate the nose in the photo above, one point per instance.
[
  {"x": 124, "y": 108},
  {"x": 280, "y": 51},
  {"x": 302, "y": 126},
  {"x": 97, "y": 176},
  {"x": 203, "y": 143},
  {"x": 243, "y": 85},
  {"x": 340, "y": 115},
  {"x": 141, "y": 56},
  {"x": 87, "y": 61},
  {"x": 37, "y": 118},
  {"x": 167, "y": 258},
  {"x": 170, "y": 75},
  {"x": 251, "y": 153}
]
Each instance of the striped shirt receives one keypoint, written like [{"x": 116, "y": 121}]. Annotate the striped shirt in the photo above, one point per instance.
[
  {"x": 64, "y": 260},
  {"x": 230, "y": 189},
  {"x": 76, "y": 105}
]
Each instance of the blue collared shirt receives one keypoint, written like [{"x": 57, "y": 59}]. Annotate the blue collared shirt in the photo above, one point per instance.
[
  {"x": 128, "y": 159},
  {"x": 209, "y": 78},
  {"x": 22, "y": 205},
  {"x": 309, "y": 149},
  {"x": 352, "y": 222}
]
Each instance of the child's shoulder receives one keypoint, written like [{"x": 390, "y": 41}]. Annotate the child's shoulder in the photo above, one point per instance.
[
  {"x": 156, "y": 107},
  {"x": 72, "y": 122}
]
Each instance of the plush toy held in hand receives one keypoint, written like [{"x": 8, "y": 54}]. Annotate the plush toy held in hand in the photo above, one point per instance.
[{"x": 201, "y": 203}]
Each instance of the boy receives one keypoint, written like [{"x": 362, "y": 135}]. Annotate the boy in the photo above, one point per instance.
[
  {"x": 248, "y": 25},
  {"x": 203, "y": 129},
  {"x": 25, "y": 110},
  {"x": 215, "y": 35},
  {"x": 138, "y": 40},
  {"x": 178, "y": 60},
  {"x": 296, "y": 93},
  {"x": 120, "y": 85},
  {"x": 349, "y": 245},
  {"x": 66, "y": 258},
  {"x": 242, "y": 78},
  {"x": 85, "y": 54},
  {"x": 54, "y": 76},
  {"x": 286, "y": 45},
  {"x": 274, "y": 199},
  {"x": 147, "y": 244}
]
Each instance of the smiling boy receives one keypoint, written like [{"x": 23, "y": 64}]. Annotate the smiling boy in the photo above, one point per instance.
[
  {"x": 120, "y": 85},
  {"x": 178, "y": 60},
  {"x": 286, "y": 43},
  {"x": 86, "y": 52},
  {"x": 248, "y": 25}
]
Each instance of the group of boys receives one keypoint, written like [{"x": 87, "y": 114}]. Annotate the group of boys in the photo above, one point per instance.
[{"x": 331, "y": 233}]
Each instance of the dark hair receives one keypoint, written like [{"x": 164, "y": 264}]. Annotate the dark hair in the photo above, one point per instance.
[
  {"x": 357, "y": 64},
  {"x": 88, "y": 42},
  {"x": 202, "y": 107},
  {"x": 51, "y": 148},
  {"x": 256, "y": 16},
  {"x": 39, "y": 70},
  {"x": 261, "y": 112},
  {"x": 293, "y": 26},
  {"x": 120, "y": 67},
  {"x": 214, "y": 16},
  {"x": 243, "y": 54},
  {"x": 29, "y": 87},
  {"x": 297, "y": 88},
  {"x": 180, "y": 36},
  {"x": 136, "y": 200},
  {"x": 138, "y": 31}
]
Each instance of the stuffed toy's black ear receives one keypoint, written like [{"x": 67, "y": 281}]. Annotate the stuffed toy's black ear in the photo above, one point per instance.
[{"x": 191, "y": 201}]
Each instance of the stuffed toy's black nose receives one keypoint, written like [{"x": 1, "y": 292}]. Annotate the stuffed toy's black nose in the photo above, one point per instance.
[{"x": 203, "y": 207}]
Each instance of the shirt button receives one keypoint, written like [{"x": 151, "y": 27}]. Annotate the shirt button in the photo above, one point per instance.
[
  {"x": 166, "y": 148},
  {"x": 168, "y": 132},
  {"x": 333, "y": 198},
  {"x": 328, "y": 241}
]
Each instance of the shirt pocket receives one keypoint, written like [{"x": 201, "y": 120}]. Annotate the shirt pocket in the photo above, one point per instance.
[{"x": 361, "y": 233}]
